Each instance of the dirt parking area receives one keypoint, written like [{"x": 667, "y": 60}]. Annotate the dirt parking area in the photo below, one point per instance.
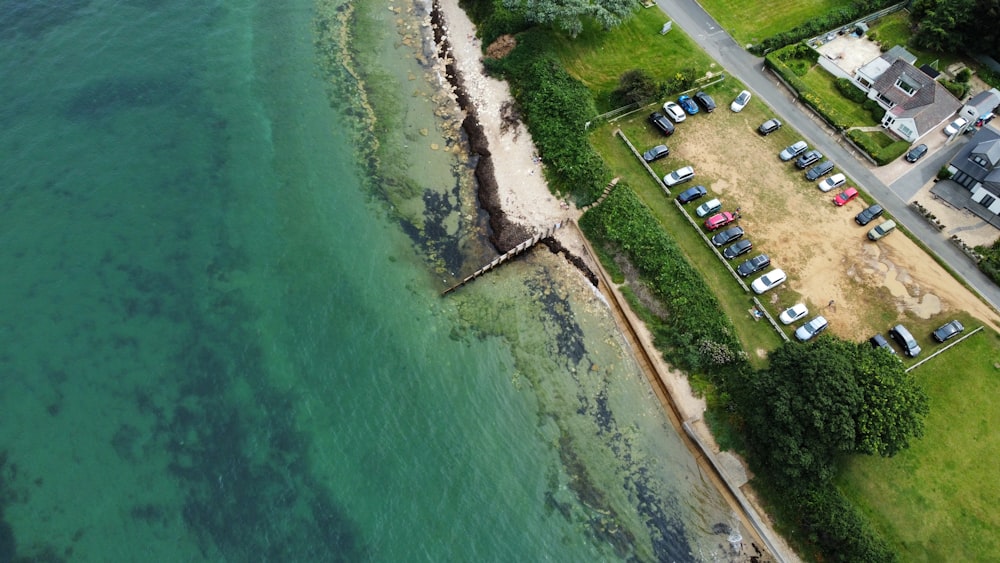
[{"x": 861, "y": 287}]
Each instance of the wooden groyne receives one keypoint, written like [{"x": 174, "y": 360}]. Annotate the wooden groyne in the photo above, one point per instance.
[{"x": 506, "y": 256}]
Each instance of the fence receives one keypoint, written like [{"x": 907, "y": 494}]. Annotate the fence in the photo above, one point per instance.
[{"x": 830, "y": 35}]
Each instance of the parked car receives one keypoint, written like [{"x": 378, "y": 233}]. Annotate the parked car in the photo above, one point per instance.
[
  {"x": 691, "y": 194},
  {"x": 793, "y": 150},
  {"x": 818, "y": 171},
  {"x": 905, "y": 340},
  {"x": 741, "y": 101},
  {"x": 678, "y": 176},
  {"x": 879, "y": 341},
  {"x": 661, "y": 122},
  {"x": 674, "y": 112},
  {"x": 834, "y": 181},
  {"x": 727, "y": 236},
  {"x": 845, "y": 197},
  {"x": 709, "y": 207},
  {"x": 656, "y": 153},
  {"x": 793, "y": 313},
  {"x": 955, "y": 126},
  {"x": 916, "y": 153},
  {"x": 753, "y": 265},
  {"x": 869, "y": 214},
  {"x": 811, "y": 329},
  {"x": 882, "y": 229},
  {"x": 768, "y": 281},
  {"x": 719, "y": 220},
  {"x": 738, "y": 248},
  {"x": 948, "y": 330},
  {"x": 809, "y": 158},
  {"x": 769, "y": 126},
  {"x": 705, "y": 101},
  {"x": 688, "y": 104}
]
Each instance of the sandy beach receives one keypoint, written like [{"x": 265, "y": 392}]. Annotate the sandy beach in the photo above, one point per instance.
[{"x": 526, "y": 200}]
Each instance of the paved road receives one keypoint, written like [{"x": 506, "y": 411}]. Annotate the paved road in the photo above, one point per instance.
[{"x": 750, "y": 70}]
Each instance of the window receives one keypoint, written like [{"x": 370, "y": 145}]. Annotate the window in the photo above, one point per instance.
[
  {"x": 988, "y": 201},
  {"x": 978, "y": 159},
  {"x": 905, "y": 131},
  {"x": 885, "y": 101},
  {"x": 905, "y": 86}
]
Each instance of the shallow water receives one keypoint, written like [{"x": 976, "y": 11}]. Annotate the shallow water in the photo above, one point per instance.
[{"x": 222, "y": 343}]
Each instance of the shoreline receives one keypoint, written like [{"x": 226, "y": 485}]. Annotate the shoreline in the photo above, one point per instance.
[{"x": 519, "y": 203}]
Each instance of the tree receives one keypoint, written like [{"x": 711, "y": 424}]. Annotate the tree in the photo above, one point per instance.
[
  {"x": 825, "y": 399},
  {"x": 635, "y": 86},
  {"x": 568, "y": 15}
]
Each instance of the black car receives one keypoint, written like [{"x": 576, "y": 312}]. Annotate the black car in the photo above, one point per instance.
[
  {"x": 820, "y": 170},
  {"x": 737, "y": 249},
  {"x": 879, "y": 341},
  {"x": 868, "y": 214},
  {"x": 727, "y": 236},
  {"x": 691, "y": 194},
  {"x": 705, "y": 101},
  {"x": 661, "y": 122},
  {"x": 809, "y": 158},
  {"x": 769, "y": 126},
  {"x": 755, "y": 264},
  {"x": 916, "y": 152},
  {"x": 947, "y": 331},
  {"x": 655, "y": 153}
]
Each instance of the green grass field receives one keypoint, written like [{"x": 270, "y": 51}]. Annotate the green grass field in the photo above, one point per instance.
[
  {"x": 751, "y": 21},
  {"x": 822, "y": 84},
  {"x": 599, "y": 58},
  {"x": 938, "y": 500}
]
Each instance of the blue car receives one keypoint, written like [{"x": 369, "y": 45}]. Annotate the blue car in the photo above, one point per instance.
[{"x": 688, "y": 104}]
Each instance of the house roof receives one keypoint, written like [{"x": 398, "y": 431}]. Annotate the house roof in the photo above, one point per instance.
[
  {"x": 985, "y": 141},
  {"x": 929, "y": 104},
  {"x": 985, "y": 102},
  {"x": 899, "y": 52},
  {"x": 990, "y": 150}
]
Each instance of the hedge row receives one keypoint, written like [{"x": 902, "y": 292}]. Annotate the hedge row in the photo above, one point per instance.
[
  {"x": 827, "y": 22},
  {"x": 881, "y": 154},
  {"x": 556, "y": 108},
  {"x": 697, "y": 333},
  {"x": 780, "y": 61}
]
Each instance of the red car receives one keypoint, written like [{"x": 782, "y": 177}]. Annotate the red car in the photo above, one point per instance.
[
  {"x": 844, "y": 197},
  {"x": 719, "y": 220}
]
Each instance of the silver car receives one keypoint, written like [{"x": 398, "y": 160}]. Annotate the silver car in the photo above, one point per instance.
[{"x": 811, "y": 329}]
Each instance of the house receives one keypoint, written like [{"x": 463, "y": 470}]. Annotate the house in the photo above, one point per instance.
[
  {"x": 981, "y": 106},
  {"x": 977, "y": 168},
  {"x": 914, "y": 101}
]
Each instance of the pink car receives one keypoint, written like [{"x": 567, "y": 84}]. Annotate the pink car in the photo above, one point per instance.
[
  {"x": 719, "y": 220},
  {"x": 845, "y": 197}
]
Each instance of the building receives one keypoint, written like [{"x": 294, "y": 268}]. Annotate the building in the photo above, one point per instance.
[
  {"x": 977, "y": 168},
  {"x": 981, "y": 106},
  {"x": 914, "y": 101}
]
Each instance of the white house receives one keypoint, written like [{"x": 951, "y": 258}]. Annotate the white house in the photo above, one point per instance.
[{"x": 914, "y": 102}]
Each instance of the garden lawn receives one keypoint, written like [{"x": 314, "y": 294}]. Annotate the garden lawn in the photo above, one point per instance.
[
  {"x": 894, "y": 29},
  {"x": 823, "y": 84},
  {"x": 598, "y": 58},
  {"x": 752, "y": 21},
  {"x": 938, "y": 500}
]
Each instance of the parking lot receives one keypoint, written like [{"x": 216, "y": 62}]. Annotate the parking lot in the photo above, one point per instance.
[{"x": 859, "y": 286}]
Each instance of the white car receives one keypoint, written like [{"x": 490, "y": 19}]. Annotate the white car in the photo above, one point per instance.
[
  {"x": 834, "y": 181},
  {"x": 679, "y": 176},
  {"x": 674, "y": 111},
  {"x": 955, "y": 126},
  {"x": 768, "y": 281},
  {"x": 740, "y": 102},
  {"x": 709, "y": 207},
  {"x": 794, "y": 150},
  {"x": 793, "y": 313},
  {"x": 811, "y": 328}
]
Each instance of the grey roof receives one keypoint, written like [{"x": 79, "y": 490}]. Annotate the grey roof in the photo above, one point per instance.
[
  {"x": 985, "y": 101},
  {"x": 928, "y": 106},
  {"x": 990, "y": 150},
  {"x": 983, "y": 141},
  {"x": 899, "y": 52}
]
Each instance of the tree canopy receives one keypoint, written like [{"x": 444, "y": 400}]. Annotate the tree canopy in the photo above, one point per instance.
[
  {"x": 955, "y": 25},
  {"x": 568, "y": 15},
  {"x": 828, "y": 398}
]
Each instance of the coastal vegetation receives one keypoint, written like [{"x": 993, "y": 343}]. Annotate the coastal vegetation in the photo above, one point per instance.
[{"x": 882, "y": 408}]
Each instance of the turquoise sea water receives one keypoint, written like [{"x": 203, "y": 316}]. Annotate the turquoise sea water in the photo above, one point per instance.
[{"x": 219, "y": 345}]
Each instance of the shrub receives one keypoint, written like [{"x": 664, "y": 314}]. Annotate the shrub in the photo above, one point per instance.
[
  {"x": 877, "y": 112},
  {"x": 493, "y": 19},
  {"x": 990, "y": 262},
  {"x": 850, "y": 91},
  {"x": 957, "y": 89},
  {"x": 943, "y": 173},
  {"x": 964, "y": 75},
  {"x": 881, "y": 147},
  {"x": 635, "y": 86}
]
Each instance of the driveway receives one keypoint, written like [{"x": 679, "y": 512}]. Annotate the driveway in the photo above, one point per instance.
[{"x": 750, "y": 70}]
